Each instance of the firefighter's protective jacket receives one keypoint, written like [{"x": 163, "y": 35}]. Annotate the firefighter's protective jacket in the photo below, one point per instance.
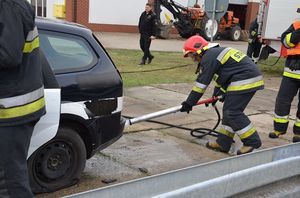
[
  {"x": 21, "y": 87},
  {"x": 232, "y": 70},
  {"x": 290, "y": 39}
]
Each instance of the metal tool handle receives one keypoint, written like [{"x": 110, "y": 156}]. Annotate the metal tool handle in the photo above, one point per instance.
[{"x": 165, "y": 112}]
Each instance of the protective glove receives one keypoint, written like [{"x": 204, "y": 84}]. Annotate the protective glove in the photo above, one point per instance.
[
  {"x": 222, "y": 98},
  {"x": 186, "y": 107}
]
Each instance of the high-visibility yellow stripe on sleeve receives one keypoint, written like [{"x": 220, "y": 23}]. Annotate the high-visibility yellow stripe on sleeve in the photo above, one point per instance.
[
  {"x": 30, "y": 46},
  {"x": 288, "y": 42},
  {"x": 22, "y": 110}
]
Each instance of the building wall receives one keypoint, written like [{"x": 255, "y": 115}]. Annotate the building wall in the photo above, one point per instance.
[{"x": 115, "y": 16}]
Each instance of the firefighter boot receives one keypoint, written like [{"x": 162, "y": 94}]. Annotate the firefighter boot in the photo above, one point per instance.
[
  {"x": 250, "y": 143},
  {"x": 296, "y": 138},
  {"x": 215, "y": 146},
  {"x": 245, "y": 149},
  {"x": 275, "y": 134}
]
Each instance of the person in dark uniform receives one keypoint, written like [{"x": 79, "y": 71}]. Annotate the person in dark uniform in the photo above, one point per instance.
[
  {"x": 290, "y": 83},
  {"x": 22, "y": 100},
  {"x": 147, "y": 28},
  {"x": 237, "y": 79},
  {"x": 254, "y": 42}
]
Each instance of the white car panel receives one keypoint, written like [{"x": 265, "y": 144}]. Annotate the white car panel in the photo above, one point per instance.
[{"x": 47, "y": 126}]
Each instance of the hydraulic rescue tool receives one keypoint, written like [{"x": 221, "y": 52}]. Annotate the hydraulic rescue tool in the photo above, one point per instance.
[
  {"x": 197, "y": 132},
  {"x": 166, "y": 112}
]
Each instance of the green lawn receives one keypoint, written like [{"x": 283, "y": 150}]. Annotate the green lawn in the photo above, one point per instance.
[{"x": 184, "y": 71}]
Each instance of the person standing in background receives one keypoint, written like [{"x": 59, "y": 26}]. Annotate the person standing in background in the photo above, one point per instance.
[
  {"x": 147, "y": 28},
  {"x": 254, "y": 42}
]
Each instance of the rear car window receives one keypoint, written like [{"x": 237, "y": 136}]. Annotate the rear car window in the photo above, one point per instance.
[{"x": 67, "y": 53}]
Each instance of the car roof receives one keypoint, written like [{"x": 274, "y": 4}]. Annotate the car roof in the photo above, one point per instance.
[{"x": 61, "y": 26}]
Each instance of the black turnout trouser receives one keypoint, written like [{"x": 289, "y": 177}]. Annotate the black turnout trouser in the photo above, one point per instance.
[
  {"x": 145, "y": 43},
  {"x": 236, "y": 122},
  {"x": 14, "y": 144},
  {"x": 254, "y": 49},
  {"x": 288, "y": 90}
]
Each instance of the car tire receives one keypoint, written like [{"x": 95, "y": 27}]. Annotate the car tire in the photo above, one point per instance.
[{"x": 57, "y": 164}]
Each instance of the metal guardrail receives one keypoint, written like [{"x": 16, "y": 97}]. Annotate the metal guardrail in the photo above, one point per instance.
[{"x": 220, "y": 178}]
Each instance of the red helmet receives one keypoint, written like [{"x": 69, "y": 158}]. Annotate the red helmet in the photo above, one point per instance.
[{"x": 194, "y": 44}]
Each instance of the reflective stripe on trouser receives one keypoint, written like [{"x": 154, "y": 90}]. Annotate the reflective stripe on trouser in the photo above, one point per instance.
[
  {"x": 287, "y": 91},
  {"x": 14, "y": 144},
  {"x": 237, "y": 122},
  {"x": 296, "y": 128}
]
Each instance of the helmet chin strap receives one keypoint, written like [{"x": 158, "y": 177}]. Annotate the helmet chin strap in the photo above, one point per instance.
[{"x": 198, "y": 70}]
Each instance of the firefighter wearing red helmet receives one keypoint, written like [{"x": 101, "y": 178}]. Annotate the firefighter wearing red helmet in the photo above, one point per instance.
[{"x": 237, "y": 79}]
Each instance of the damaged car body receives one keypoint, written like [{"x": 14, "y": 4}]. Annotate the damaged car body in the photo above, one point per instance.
[{"x": 90, "y": 111}]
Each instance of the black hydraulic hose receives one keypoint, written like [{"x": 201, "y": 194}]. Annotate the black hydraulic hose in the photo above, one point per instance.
[
  {"x": 270, "y": 64},
  {"x": 203, "y": 131}
]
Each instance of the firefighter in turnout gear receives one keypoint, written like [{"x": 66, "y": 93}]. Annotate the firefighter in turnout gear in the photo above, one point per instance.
[
  {"x": 237, "y": 79},
  {"x": 254, "y": 42},
  {"x": 290, "y": 83},
  {"x": 21, "y": 94}
]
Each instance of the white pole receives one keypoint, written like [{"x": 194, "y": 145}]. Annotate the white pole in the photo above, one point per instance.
[
  {"x": 213, "y": 21},
  {"x": 36, "y": 7},
  {"x": 42, "y": 8}
]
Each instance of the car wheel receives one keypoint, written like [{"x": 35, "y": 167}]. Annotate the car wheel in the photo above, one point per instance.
[{"x": 57, "y": 164}]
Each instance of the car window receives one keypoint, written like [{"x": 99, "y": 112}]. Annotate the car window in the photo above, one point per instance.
[{"x": 67, "y": 53}]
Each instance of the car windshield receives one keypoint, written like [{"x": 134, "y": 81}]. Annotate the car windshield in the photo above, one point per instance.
[{"x": 66, "y": 53}]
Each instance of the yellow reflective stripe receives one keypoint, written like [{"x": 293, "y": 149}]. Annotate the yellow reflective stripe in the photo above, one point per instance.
[
  {"x": 217, "y": 85},
  {"x": 281, "y": 120},
  {"x": 198, "y": 89},
  {"x": 297, "y": 124},
  {"x": 247, "y": 133},
  {"x": 225, "y": 132},
  {"x": 288, "y": 40},
  {"x": 215, "y": 77},
  {"x": 22, "y": 110},
  {"x": 30, "y": 46},
  {"x": 234, "y": 54},
  {"x": 291, "y": 75},
  {"x": 227, "y": 56},
  {"x": 245, "y": 87},
  {"x": 223, "y": 90}
]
